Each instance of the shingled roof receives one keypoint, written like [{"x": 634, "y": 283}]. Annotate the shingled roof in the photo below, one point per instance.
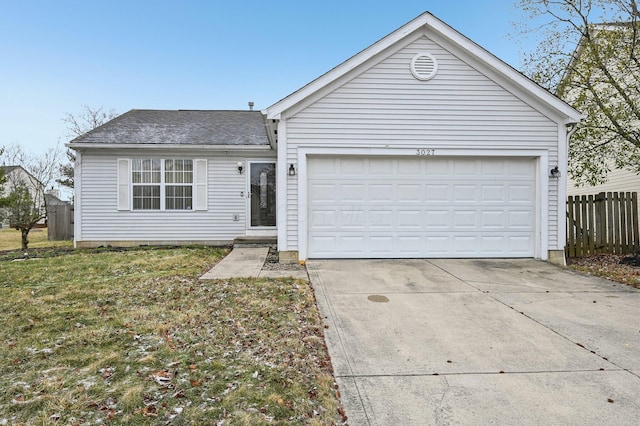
[{"x": 180, "y": 127}]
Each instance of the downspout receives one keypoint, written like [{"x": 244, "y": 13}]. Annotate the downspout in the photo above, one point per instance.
[{"x": 571, "y": 129}]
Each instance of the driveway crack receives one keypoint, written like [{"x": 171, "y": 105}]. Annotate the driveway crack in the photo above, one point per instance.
[{"x": 567, "y": 338}]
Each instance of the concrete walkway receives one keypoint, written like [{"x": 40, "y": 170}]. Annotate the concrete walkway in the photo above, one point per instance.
[
  {"x": 248, "y": 262},
  {"x": 431, "y": 342}
]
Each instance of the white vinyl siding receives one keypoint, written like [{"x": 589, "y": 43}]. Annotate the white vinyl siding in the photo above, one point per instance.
[
  {"x": 381, "y": 105},
  {"x": 220, "y": 198}
]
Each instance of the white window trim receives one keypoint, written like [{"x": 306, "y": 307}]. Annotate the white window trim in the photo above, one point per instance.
[{"x": 125, "y": 185}]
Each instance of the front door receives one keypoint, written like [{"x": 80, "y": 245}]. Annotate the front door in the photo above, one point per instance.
[{"x": 262, "y": 183}]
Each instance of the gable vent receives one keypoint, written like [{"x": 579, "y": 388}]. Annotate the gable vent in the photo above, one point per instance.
[{"x": 424, "y": 66}]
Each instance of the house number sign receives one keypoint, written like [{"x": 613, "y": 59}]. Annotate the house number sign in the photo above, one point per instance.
[{"x": 425, "y": 151}]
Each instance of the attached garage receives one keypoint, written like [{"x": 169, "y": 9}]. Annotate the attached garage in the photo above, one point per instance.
[
  {"x": 422, "y": 145},
  {"x": 404, "y": 207}
]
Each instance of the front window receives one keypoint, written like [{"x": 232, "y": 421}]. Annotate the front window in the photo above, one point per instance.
[
  {"x": 178, "y": 178},
  {"x": 162, "y": 184}
]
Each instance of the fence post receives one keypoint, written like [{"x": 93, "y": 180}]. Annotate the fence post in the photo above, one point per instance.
[
  {"x": 571, "y": 228},
  {"x": 634, "y": 217},
  {"x": 601, "y": 220},
  {"x": 624, "y": 222},
  {"x": 591, "y": 225}
]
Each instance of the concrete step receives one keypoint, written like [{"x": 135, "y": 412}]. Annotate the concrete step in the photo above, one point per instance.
[{"x": 255, "y": 241}]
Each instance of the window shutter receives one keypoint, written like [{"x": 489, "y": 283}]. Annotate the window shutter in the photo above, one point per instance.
[
  {"x": 124, "y": 176},
  {"x": 200, "y": 180}
]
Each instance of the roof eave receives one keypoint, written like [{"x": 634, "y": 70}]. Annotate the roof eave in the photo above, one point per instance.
[{"x": 148, "y": 146}]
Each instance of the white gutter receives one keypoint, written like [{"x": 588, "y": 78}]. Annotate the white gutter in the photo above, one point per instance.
[{"x": 169, "y": 146}]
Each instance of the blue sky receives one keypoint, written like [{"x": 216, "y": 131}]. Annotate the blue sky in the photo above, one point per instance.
[{"x": 56, "y": 56}]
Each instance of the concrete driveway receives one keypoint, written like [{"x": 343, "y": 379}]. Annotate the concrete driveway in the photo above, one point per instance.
[{"x": 423, "y": 342}]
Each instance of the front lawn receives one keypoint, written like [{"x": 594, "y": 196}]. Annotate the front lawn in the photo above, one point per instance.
[
  {"x": 133, "y": 337},
  {"x": 10, "y": 239}
]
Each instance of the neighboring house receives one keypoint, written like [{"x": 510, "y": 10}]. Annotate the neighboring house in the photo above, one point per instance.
[
  {"x": 614, "y": 41},
  {"x": 422, "y": 145},
  {"x": 17, "y": 175},
  {"x": 618, "y": 180}
]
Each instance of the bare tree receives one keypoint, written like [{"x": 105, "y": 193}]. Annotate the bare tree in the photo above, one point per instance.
[
  {"x": 77, "y": 125},
  {"x": 590, "y": 56},
  {"x": 3, "y": 179},
  {"x": 25, "y": 188}
]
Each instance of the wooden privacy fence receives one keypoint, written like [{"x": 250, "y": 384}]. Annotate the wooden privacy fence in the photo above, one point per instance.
[
  {"x": 60, "y": 222},
  {"x": 602, "y": 223}
]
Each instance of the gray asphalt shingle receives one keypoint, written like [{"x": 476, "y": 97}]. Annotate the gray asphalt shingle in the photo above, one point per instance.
[{"x": 184, "y": 127}]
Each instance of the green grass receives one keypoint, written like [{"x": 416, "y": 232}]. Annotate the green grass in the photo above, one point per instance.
[
  {"x": 10, "y": 239},
  {"x": 132, "y": 337}
]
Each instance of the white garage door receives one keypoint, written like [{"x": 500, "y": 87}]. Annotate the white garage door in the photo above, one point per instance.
[{"x": 403, "y": 207}]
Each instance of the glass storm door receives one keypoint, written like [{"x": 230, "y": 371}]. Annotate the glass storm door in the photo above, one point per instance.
[{"x": 263, "y": 194}]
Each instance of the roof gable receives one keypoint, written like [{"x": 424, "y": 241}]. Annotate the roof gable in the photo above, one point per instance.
[{"x": 427, "y": 23}]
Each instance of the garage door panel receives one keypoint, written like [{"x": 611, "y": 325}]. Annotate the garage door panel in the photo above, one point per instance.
[
  {"x": 411, "y": 167},
  {"x": 381, "y": 246},
  {"x": 352, "y": 219},
  {"x": 381, "y": 219},
  {"x": 464, "y": 219},
  {"x": 349, "y": 166},
  {"x": 426, "y": 207},
  {"x": 323, "y": 219},
  {"x": 352, "y": 244},
  {"x": 381, "y": 193},
  {"x": 323, "y": 192},
  {"x": 493, "y": 219},
  {"x": 437, "y": 193},
  {"x": 438, "y": 245},
  {"x": 521, "y": 220},
  {"x": 351, "y": 193},
  {"x": 520, "y": 168},
  {"x": 465, "y": 245},
  {"x": 324, "y": 246},
  {"x": 520, "y": 244},
  {"x": 409, "y": 193},
  {"x": 410, "y": 245},
  {"x": 321, "y": 167},
  {"x": 493, "y": 246},
  {"x": 493, "y": 169},
  {"x": 435, "y": 169},
  {"x": 520, "y": 193},
  {"x": 465, "y": 168},
  {"x": 382, "y": 167},
  {"x": 410, "y": 219},
  {"x": 492, "y": 193},
  {"x": 464, "y": 193},
  {"x": 437, "y": 219}
]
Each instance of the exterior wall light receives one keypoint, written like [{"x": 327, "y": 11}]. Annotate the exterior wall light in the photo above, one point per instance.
[
  {"x": 555, "y": 172},
  {"x": 292, "y": 170},
  {"x": 240, "y": 167}
]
